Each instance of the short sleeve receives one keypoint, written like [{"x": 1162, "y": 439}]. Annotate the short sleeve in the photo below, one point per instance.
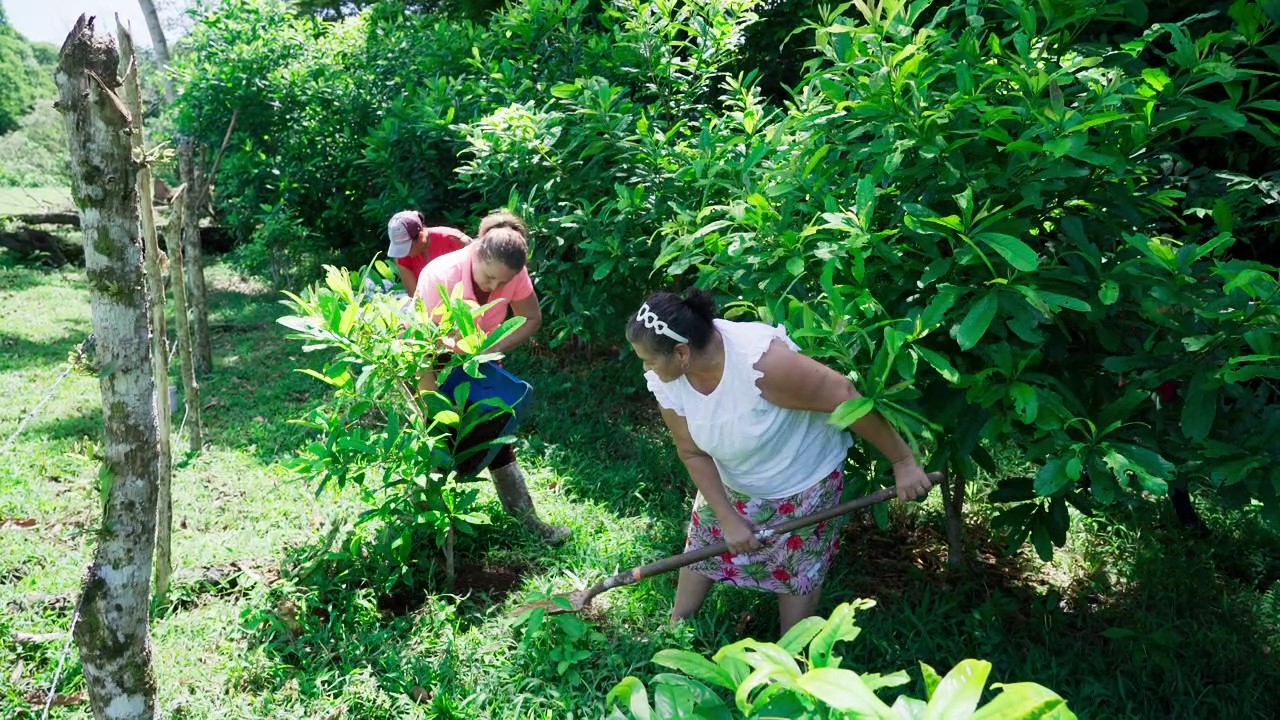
[
  {"x": 664, "y": 393},
  {"x": 520, "y": 287},
  {"x": 754, "y": 342},
  {"x": 429, "y": 283}
]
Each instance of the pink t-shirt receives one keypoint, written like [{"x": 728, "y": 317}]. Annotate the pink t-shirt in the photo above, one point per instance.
[{"x": 454, "y": 268}]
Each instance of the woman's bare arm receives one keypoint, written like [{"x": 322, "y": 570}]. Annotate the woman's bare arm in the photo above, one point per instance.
[
  {"x": 702, "y": 469},
  {"x": 794, "y": 381}
]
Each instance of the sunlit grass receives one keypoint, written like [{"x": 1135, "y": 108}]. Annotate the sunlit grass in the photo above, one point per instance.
[{"x": 267, "y": 620}]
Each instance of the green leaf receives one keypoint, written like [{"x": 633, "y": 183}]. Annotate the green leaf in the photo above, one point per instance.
[
  {"x": 1199, "y": 409},
  {"x": 959, "y": 692},
  {"x": 1040, "y": 537},
  {"x": 1152, "y": 470},
  {"x": 909, "y": 708},
  {"x": 838, "y": 625},
  {"x": 795, "y": 266},
  {"x": 447, "y": 417},
  {"x": 708, "y": 704},
  {"x": 844, "y": 690},
  {"x": 631, "y": 692},
  {"x": 695, "y": 666},
  {"x": 800, "y": 634},
  {"x": 348, "y": 319},
  {"x": 931, "y": 679},
  {"x": 1013, "y": 489},
  {"x": 1024, "y": 700},
  {"x": 1057, "y": 300},
  {"x": 1016, "y": 252},
  {"x": 602, "y": 270},
  {"x": 760, "y": 677},
  {"x": 1157, "y": 78},
  {"x": 564, "y": 90},
  {"x": 976, "y": 321},
  {"x": 1058, "y": 521},
  {"x": 850, "y": 411},
  {"x": 1109, "y": 292},
  {"x": 1052, "y": 477},
  {"x": 939, "y": 363},
  {"x": 1025, "y": 401},
  {"x": 876, "y": 681}
]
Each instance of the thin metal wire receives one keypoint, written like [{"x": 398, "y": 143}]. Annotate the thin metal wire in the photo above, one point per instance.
[
  {"x": 62, "y": 661},
  {"x": 8, "y": 443}
]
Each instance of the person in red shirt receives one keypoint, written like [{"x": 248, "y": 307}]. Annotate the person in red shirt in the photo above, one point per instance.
[{"x": 413, "y": 245}]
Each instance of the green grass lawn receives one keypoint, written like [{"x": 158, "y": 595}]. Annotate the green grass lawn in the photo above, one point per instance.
[
  {"x": 274, "y": 615},
  {"x": 32, "y": 200}
]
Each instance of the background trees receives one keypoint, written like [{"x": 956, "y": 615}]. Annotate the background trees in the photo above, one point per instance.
[{"x": 1049, "y": 225}]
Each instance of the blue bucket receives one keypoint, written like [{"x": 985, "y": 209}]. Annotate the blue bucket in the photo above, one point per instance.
[{"x": 494, "y": 383}]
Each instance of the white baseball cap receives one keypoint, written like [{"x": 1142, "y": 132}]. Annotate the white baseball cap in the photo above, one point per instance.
[{"x": 403, "y": 228}]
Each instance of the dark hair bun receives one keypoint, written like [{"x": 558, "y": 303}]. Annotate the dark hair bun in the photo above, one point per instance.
[{"x": 701, "y": 303}]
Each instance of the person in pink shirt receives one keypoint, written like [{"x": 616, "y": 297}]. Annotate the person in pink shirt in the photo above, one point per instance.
[
  {"x": 413, "y": 245},
  {"x": 493, "y": 269}
]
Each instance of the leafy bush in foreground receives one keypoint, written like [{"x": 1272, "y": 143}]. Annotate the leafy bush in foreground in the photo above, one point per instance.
[
  {"x": 800, "y": 678},
  {"x": 377, "y": 431}
]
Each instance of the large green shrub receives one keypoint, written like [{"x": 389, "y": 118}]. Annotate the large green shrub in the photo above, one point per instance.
[
  {"x": 35, "y": 154},
  {"x": 993, "y": 224},
  {"x": 1042, "y": 224},
  {"x": 565, "y": 110}
]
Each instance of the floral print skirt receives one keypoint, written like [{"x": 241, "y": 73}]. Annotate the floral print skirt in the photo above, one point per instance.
[{"x": 794, "y": 563}]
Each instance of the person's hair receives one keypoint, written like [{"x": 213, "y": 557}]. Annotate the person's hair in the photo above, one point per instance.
[
  {"x": 504, "y": 244},
  {"x": 691, "y": 316},
  {"x": 502, "y": 219}
]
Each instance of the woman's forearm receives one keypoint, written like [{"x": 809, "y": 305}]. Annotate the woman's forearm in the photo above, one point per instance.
[
  {"x": 702, "y": 469},
  {"x": 873, "y": 428},
  {"x": 408, "y": 279}
]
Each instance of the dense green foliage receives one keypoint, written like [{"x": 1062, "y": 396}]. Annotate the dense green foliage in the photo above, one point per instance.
[
  {"x": 23, "y": 79},
  {"x": 35, "y": 154},
  {"x": 1045, "y": 224}
]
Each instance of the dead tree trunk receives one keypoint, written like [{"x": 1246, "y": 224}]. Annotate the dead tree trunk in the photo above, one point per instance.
[
  {"x": 113, "y": 633},
  {"x": 193, "y": 254},
  {"x": 173, "y": 242},
  {"x": 159, "y": 328},
  {"x": 159, "y": 45}
]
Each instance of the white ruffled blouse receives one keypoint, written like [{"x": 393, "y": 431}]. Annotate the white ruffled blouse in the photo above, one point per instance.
[{"x": 760, "y": 449}]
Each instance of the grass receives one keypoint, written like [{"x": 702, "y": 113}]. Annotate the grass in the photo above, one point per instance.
[
  {"x": 273, "y": 615},
  {"x": 18, "y": 200}
]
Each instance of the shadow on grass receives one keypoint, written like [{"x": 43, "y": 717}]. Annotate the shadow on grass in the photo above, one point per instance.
[
  {"x": 253, "y": 392},
  {"x": 18, "y": 273},
  {"x": 600, "y": 429},
  {"x": 1156, "y": 627},
  {"x": 19, "y": 353}
]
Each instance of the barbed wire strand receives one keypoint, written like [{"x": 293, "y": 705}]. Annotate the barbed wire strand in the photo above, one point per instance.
[
  {"x": 49, "y": 396},
  {"x": 62, "y": 661}
]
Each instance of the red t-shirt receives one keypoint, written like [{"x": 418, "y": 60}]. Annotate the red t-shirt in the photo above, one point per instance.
[{"x": 443, "y": 240}]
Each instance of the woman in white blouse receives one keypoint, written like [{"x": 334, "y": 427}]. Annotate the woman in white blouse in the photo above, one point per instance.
[{"x": 749, "y": 415}]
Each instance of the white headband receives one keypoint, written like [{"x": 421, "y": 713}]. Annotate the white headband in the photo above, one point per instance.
[{"x": 651, "y": 321}]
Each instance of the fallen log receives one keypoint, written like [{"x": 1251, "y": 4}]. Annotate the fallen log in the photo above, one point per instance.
[{"x": 60, "y": 217}]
